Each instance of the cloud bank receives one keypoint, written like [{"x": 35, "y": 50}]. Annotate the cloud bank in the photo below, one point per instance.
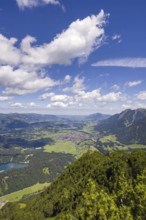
[{"x": 81, "y": 98}]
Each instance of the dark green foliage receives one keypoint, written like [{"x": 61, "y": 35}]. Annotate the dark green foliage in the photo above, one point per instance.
[
  {"x": 9, "y": 142},
  {"x": 22, "y": 138},
  {"x": 104, "y": 187},
  {"x": 14, "y": 180}
]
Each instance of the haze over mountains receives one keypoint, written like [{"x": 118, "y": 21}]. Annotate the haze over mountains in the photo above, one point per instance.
[
  {"x": 97, "y": 117},
  {"x": 127, "y": 126}
]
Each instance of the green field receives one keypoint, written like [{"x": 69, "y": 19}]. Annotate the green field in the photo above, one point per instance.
[
  {"x": 89, "y": 127},
  {"x": 68, "y": 147},
  {"x": 16, "y": 196},
  {"x": 107, "y": 148},
  {"x": 109, "y": 138},
  {"x": 61, "y": 146},
  {"x": 132, "y": 147},
  {"x": 127, "y": 147}
]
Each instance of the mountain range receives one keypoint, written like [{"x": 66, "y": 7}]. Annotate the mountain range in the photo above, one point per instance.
[
  {"x": 96, "y": 186},
  {"x": 128, "y": 126}
]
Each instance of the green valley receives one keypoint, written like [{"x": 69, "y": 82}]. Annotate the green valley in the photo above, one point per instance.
[{"x": 46, "y": 145}]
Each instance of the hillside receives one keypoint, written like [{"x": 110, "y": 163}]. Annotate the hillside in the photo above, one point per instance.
[
  {"x": 28, "y": 118},
  {"x": 128, "y": 126},
  {"x": 38, "y": 142},
  {"x": 25, "y": 139},
  {"x": 96, "y": 117},
  {"x": 96, "y": 186}
]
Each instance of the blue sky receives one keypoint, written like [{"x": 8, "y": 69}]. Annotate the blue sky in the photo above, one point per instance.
[{"x": 72, "y": 57}]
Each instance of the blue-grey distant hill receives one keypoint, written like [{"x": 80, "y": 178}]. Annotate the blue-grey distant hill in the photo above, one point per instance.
[{"x": 97, "y": 117}]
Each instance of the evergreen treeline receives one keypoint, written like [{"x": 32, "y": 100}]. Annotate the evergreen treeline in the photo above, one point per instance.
[
  {"x": 17, "y": 179},
  {"x": 104, "y": 187}
]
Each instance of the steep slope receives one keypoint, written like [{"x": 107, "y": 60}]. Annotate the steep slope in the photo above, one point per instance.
[
  {"x": 128, "y": 126},
  {"x": 111, "y": 187}
]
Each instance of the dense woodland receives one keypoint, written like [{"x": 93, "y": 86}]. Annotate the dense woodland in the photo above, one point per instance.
[
  {"x": 17, "y": 179},
  {"x": 96, "y": 186}
]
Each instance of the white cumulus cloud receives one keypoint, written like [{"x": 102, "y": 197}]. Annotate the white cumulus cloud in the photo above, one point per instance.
[
  {"x": 21, "y": 63},
  {"x": 78, "y": 85},
  {"x": 78, "y": 41},
  {"x": 20, "y": 82},
  {"x": 9, "y": 53},
  {"x": 46, "y": 95},
  {"x": 60, "y": 98},
  {"x": 58, "y": 105},
  {"x": 110, "y": 97},
  {"x": 82, "y": 98}
]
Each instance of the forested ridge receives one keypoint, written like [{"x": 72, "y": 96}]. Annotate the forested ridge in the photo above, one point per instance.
[{"x": 96, "y": 186}]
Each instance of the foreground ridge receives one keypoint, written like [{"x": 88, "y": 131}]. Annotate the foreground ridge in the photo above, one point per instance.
[{"x": 96, "y": 186}]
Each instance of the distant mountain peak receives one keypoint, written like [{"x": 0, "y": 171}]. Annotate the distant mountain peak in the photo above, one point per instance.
[
  {"x": 97, "y": 116},
  {"x": 133, "y": 115},
  {"x": 128, "y": 126}
]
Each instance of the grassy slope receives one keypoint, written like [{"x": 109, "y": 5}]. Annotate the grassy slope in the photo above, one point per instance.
[
  {"x": 16, "y": 196},
  {"x": 108, "y": 138},
  {"x": 113, "y": 139},
  {"x": 132, "y": 147},
  {"x": 61, "y": 146},
  {"x": 68, "y": 147}
]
